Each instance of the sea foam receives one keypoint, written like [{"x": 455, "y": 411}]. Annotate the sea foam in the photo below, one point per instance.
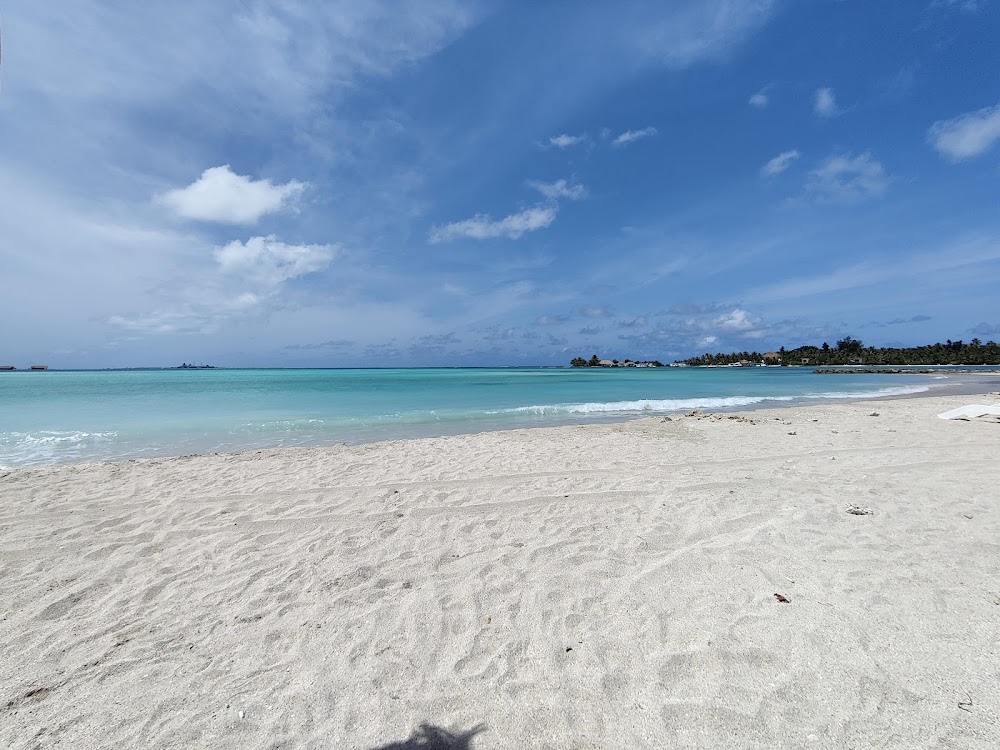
[
  {"x": 46, "y": 446},
  {"x": 683, "y": 404}
]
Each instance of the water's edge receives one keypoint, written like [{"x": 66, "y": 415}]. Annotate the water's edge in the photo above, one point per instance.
[{"x": 975, "y": 385}]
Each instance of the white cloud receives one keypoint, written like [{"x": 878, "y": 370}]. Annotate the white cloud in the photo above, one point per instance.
[
  {"x": 759, "y": 100},
  {"x": 262, "y": 55},
  {"x": 738, "y": 320},
  {"x": 550, "y": 320},
  {"x": 967, "y": 135},
  {"x": 596, "y": 311},
  {"x": 559, "y": 189},
  {"x": 731, "y": 327},
  {"x": 565, "y": 141},
  {"x": 247, "y": 280},
  {"x": 693, "y": 31},
  {"x": 482, "y": 227},
  {"x": 159, "y": 321},
  {"x": 780, "y": 163},
  {"x": 204, "y": 317},
  {"x": 825, "y": 103},
  {"x": 848, "y": 178},
  {"x": 269, "y": 262},
  {"x": 630, "y": 136},
  {"x": 978, "y": 254},
  {"x": 224, "y": 196},
  {"x": 968, "y": 6}
]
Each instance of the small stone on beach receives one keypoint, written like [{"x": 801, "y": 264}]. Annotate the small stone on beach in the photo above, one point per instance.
[{"x": 857, "y": 510}]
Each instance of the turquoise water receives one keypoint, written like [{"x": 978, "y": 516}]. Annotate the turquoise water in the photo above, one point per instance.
[{"x": 53, "y": 417}]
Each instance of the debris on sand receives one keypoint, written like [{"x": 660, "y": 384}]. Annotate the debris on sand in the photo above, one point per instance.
[
  {"x": 857, "y": 510},
  {"x": 782, "y": 598}
]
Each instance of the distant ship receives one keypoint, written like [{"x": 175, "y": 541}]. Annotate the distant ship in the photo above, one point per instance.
[
  {"x": 7, "y": 367},
  {"x": 39, "y": 367}
]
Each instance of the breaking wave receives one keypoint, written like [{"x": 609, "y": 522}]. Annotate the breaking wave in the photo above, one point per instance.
[
  {"x": 683, "y": 404},
  {"x": 47, "y": 446}
]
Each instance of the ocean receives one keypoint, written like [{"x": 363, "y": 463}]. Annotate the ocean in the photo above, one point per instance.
[{"x": 67, "y": 416}]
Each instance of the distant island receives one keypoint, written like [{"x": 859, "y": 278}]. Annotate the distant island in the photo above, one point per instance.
[
  {"x": 847, "y": 351},
  {"x": 851, "y": 351},
  {"x": 186, "y": 366},
  {"x": 596, "y": 361}
]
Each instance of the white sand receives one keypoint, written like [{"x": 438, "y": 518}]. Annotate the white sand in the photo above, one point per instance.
[{"x": 578, "y": 587}]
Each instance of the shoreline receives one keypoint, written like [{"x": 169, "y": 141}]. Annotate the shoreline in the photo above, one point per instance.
[
  {"x": 900, "y": 370},
  {"x": 563, "y": 587},
  {"x": 967, "y": 386}
]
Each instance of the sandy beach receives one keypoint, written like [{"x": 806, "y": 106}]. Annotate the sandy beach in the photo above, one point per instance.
[{"x": 601, "y": 586}]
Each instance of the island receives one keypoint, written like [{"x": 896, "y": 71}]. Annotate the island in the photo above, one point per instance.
[
  {"x": 852, "y": 352},
  {"x": 596, "y": 361}
]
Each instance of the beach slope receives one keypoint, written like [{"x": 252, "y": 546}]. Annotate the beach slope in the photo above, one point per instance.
[{"x": 603, "y": 586}]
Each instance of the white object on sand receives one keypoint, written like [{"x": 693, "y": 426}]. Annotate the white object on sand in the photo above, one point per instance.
[{"x": 971, "y": 411}]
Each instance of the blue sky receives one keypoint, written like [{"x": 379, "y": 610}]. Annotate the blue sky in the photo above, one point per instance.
[{"x": 293, "y": 183}]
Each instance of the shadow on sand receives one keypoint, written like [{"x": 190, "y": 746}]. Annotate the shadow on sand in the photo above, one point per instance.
[{"x": 430, "y": 737}]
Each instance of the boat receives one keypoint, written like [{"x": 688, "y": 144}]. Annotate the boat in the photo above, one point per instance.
[
  {"x": 39, "y": 367},
  {"x": 7, "y": 367}
]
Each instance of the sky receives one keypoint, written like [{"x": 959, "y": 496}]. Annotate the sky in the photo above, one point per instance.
[{"x": 299, "y": 183}]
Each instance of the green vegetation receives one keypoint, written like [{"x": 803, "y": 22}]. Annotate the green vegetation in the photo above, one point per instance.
[{"x": 850, "y": 351}]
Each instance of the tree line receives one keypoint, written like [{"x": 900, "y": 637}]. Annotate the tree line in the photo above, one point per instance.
[{"x": 851, "y": 351}]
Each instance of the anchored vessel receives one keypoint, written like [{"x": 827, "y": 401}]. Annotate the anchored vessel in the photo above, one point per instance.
[{"x": 39, "y": 367}]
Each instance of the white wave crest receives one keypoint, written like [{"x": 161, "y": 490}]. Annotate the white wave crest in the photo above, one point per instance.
[
  {"x": 282, "y": 425},
  {"x": 648, "y": 405},
  {"x": 683, "y": 404},
  {"x": 906, "y": 390},
  {"x": 45, "y": 446}
]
